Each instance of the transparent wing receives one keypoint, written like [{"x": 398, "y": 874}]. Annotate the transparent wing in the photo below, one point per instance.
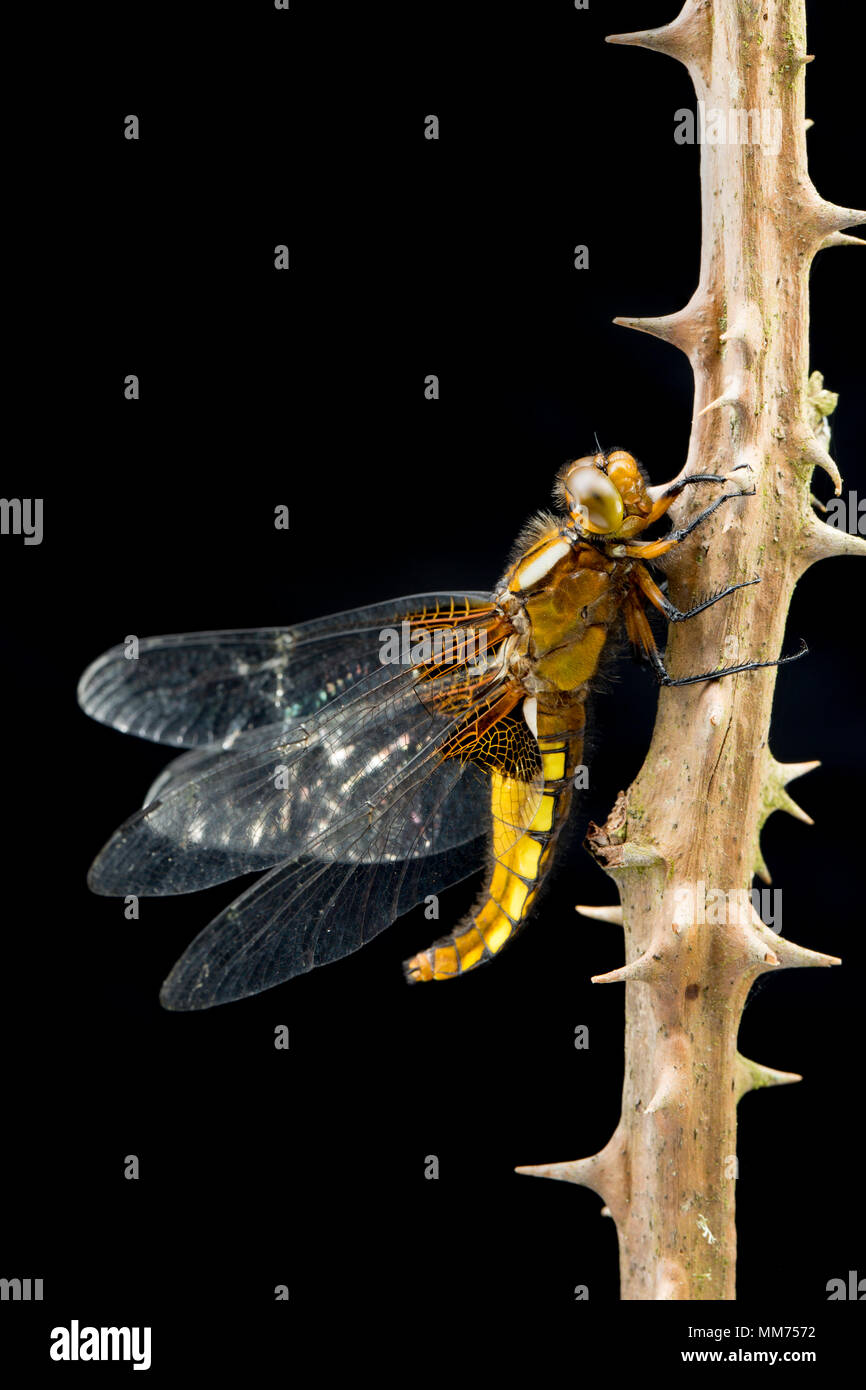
[
  {"x": 427, "y": 828},
  {"x": 303, "y": 915},
  {"x": 205, "y": 688},
  {"x": 184, "y": 769},
  {"x": 392, "y": 739}
]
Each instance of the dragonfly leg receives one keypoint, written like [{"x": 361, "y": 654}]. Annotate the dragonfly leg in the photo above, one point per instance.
[
  {"x": 651, "y": 550},
  {"x": 671, "y": 612},
  {"x": 673, "y": 490},
  {"x": 665, "y": 679},
  {"x": 639, "y": 630}
]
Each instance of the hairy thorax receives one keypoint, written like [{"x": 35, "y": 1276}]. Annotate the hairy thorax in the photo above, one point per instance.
[{"x": 561, "y": 597}]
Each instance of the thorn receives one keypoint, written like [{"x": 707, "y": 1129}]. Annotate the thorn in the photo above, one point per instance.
[
  {"x": 776, "y": 777},
  {"x": 789, "y": 772},
  {"x": 585, "y": 1171},
  {"x": 752, "y": 1076},
  {"x": 656, "y": 39},
  {"x": 684, "y": 38},
  {"x": 673, "y": 1056},
  {"x": 816, "y": 455},
  {"x": 793, "y": 956},
  {"x": 787, "y": 954},
  {"x": 784, "y": 802},
  {"x": 840, "y": 239},
  {"x": 605, "y": 1211},
  {"x": 669, "y": 327},
  {"x": 602, "y": 914},
  {"x": 746, "y": 328},
  {"x": 808, "y": 123},
  {"x": 727, "y": 399},
  {"x": 645, "y": 967},
  {"x": 828, "y": 541},
  {"x": 760, "y": 868},
  {"x": 666, "y": 1092},
  {"x": 604, "y": 1170},
  {"x": 757, "y": 943},
  {"x": 817, "y": 503},
  {"x": 829, "y": 217}
]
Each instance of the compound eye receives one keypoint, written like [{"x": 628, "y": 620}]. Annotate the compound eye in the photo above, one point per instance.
[
  {"x": 593, "y": 500},
  {"x": 622, "y": 469}
]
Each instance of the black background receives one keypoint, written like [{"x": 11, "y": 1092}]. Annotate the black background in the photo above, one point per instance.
[{"x": 305, "y": 388}]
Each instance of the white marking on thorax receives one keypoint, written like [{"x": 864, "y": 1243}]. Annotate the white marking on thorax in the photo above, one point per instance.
[{"x": 533, "y": 570}]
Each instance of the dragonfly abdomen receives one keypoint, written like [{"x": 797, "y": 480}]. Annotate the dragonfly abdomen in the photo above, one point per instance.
[{"x": 521, "y": 853}]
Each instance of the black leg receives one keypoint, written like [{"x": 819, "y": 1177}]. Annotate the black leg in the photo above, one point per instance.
[
  {"x": 638, "y": 549},
  {"x": 675, "y": 616},
  {"x": 676, "y": 536},
  {"x": 664, "y": 679},
  {"x": 676, "y": 488}
]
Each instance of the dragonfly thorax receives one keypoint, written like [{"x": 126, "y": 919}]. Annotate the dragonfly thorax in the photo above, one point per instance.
[{"x": 561, "y": 598}]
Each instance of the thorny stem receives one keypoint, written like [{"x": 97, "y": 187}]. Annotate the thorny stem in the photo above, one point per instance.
[{"x": 694, "y": 813}]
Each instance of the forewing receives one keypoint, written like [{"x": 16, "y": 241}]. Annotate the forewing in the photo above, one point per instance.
[
  {"x": 272, "y": 799},
  {"x": 204, "y": 688}
]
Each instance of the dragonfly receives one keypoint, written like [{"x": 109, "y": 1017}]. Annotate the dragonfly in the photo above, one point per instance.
[{"x": 363, "y": 762}]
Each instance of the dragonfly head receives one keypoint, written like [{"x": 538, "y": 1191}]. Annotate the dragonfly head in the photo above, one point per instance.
[{"x": 605, "y": 493}]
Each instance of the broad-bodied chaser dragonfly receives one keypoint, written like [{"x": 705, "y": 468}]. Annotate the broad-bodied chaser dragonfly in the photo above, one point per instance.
[{"x": 368, "y": 760}]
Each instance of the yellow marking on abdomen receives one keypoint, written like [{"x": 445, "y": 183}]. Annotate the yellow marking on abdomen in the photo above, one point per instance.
[
  {"x": 543, "y": 818},
  {"x": 553, "y": 766},
  {"x": 509, "y": 891},
  {"x": 518, "y": 867}
]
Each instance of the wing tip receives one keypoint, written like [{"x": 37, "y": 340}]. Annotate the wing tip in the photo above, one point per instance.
[
  {"x": 173, "y": 1003},
  {"x": 88, "y": 692},
  {"x": 186, "y": 992},
  {"x": 83, "y": 688},
  {"x": 99, "y": 883},
  {"x": 176, "y": 1000}
]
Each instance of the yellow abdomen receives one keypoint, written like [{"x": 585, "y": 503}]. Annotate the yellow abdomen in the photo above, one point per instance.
[{"x": 526, "y": 822}]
